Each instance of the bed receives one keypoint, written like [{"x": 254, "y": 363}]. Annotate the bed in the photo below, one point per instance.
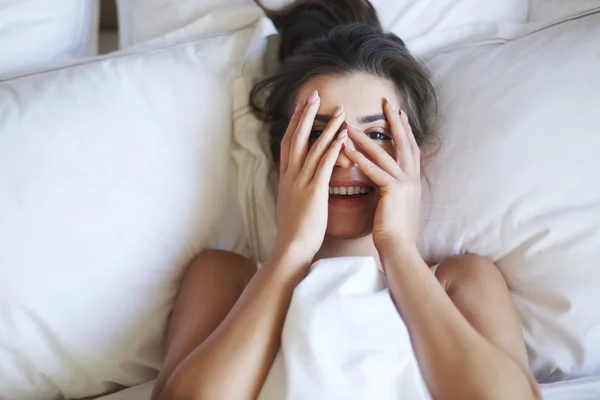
[{"x": 145, "y": 159}]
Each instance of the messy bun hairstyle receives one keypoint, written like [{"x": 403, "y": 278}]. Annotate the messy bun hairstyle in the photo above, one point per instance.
[{"x": 338, "y": 37}]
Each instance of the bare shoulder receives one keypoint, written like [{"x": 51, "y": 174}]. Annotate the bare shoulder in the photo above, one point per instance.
[
  {"x": 479, "y": 291},
  {"x": 212, "y": 284},
  {"x": 219, "y": 266},
  {"x": 467, "y": 270}
]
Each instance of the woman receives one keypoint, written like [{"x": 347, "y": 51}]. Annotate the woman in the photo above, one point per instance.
[{"x": 349, "y": 163}]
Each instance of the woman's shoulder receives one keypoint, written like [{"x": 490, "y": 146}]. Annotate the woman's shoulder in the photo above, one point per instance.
[
  {"x": 221, "y": 266},
  {"x": 468, "y": 270},
  {"x": 223, "y": 256}
]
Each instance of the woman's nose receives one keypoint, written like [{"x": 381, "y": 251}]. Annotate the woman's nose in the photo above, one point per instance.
[{"x": 343, "y": 161}]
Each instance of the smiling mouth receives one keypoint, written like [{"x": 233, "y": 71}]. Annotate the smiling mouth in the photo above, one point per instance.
[
  {"x": 346, "y": 191},
  {"x": 351, "y": 196}
]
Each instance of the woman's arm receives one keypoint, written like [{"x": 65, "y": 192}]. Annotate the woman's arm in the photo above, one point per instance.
[
  {"x": 233, "y": 361},
  {"x": 457, "y": 360},
  {"x": 477, "y": 288},
  {"x": 211, "y": 286},
  {"x": 210, "y": 359}
]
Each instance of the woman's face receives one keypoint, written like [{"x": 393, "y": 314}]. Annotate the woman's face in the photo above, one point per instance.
[{"x": 351, "y": 211}]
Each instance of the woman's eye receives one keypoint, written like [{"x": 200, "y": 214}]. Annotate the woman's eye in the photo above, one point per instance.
[
  {"x": 378, "y": 136},
  {"x": 315, "y": 134}
]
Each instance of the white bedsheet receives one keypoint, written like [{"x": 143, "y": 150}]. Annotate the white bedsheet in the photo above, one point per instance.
[{"x": 344, "y": 339}]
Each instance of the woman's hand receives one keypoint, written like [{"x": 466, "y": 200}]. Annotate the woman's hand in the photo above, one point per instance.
[
  {"x": 302, "y": 203},
  {"x": 398, "y": 177}
]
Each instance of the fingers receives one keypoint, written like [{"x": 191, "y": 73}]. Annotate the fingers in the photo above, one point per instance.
[
  {"x": 323, "y": 143},
  {"x": 299, "y": 143},
  {"x": 416, "y": 151},
  {"x": 375, "y": 173},
  {"x": 287, "y": 137},
  {"x": 325, "y": 168},
  {"x": 379, "y": 156},
  {"x": 404, "y": 154}
]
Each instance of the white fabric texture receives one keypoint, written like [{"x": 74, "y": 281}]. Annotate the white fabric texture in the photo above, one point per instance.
[
  {"x": 515, "y": 180},
  {"x": 344, "y": 339},
  {"x": 142, "y": 21},
  {"x": 113, "y": 174},
  {"x": 36, "y": 33}
]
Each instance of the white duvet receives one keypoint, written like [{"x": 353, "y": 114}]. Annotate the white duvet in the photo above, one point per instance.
[{"x": 344, "y": 339}]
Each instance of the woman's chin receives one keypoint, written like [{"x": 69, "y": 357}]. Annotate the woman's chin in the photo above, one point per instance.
[{"x": 348, "y": 231}]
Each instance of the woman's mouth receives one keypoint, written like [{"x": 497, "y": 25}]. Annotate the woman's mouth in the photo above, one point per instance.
[
  {"x": 348, "y": 190},
  {"x": 348, "y": 195}
]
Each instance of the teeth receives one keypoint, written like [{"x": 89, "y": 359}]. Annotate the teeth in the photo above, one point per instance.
[{"x": 348, "y": 191}]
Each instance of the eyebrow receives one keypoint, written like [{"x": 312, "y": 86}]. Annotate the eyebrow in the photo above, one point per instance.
[{"x": 367, "y": 119}]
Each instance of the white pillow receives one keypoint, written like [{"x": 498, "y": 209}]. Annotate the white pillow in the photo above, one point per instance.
[
  {"x": 141, "y": 21},
  {"x": 411, "y": 19},
  {"x": 113, "y": 175},
  {"x": 516, "y": 180},
  {"x": 35, "y": 33},
  {"x": 549, "y": 10}
]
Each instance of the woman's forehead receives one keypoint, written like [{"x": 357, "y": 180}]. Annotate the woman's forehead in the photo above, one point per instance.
[{"x": 361, "y": 94}]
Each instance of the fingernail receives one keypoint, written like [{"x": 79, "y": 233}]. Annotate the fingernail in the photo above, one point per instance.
[
  {"x": 349, "y": 146},
  {"x": 299, "y": 106},
  {"x": 352, "y": 126},
  {"x": 390, "y": 105},
  {"x": 313, "y": 97},
  {"x": 338, "y": 111},
  {"x": 392, "y": 108},
  {"x": 343, "y": 134},
  {"x": 403, "y": 115}
]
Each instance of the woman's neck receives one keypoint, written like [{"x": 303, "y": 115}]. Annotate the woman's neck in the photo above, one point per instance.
[{"x": 360, "y": 247}]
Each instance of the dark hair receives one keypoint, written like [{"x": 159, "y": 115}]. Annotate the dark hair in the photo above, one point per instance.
[{"x": 338, "y": 37}]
